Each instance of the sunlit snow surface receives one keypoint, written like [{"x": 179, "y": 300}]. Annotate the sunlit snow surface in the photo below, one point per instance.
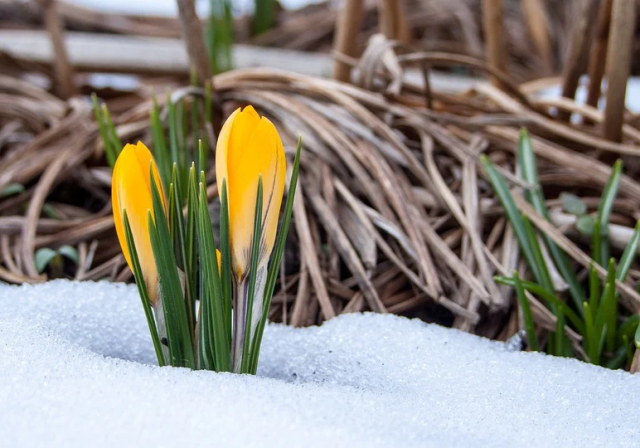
[{"x": 76, "y": 370}]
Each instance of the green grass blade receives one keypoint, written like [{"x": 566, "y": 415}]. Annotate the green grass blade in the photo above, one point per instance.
[
  {"x": 594, "y": 289},
  {"x": 173, "y": 303},
  {"x": 529, "y": 169},
  {"x": 104, "y": 134},
  {"x": 116, "y": 144},
  {"x": 225, "y": 252},
  {"x": 538, "y": 290},
  {"x": 628, "y": 327},
  {"x": 264, "y": 16},
  {"x": 629, "y": 255},
  {"x": 211, "y": 290},
  {"x": 529, "y": 324},
  {"x": 604, "y": 209},
  {"x": 253, "y": 272},
  {"x": 276, "y": 257},
  {"x": 515, "y": 217},
  {"x": 142, "y": 290},
  {"x": 180, "y": 248},
  {"x": 160, "y": 144}
]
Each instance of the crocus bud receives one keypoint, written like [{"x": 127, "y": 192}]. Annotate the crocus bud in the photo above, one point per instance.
[
  {"x": 250, "y": 146},
  {"x": 131, "y": 191}
]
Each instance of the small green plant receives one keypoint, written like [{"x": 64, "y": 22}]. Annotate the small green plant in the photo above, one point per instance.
[
  {"x": 46, "y": 258},
  {"x": 219, "y": 35},
  {"x": 108, "y": 134},
  {"x": 264, "y": 16},
  {"x": 593, "y": 312}
]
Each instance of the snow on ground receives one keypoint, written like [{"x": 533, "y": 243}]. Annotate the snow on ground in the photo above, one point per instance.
[{"x": 76, "y": 369}]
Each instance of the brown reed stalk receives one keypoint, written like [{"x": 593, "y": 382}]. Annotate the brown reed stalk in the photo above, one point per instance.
[
  {"x": 598, "y": 55},
  {"x": 386, "y": 18},
  {"x": 62, "y": 67},
  {"x": 623, "y": 17},
  {"x": 194, "y": 39},
  {"x": 346, "y": 38},
  {"x": 577, "y": 59},
  {"x": 494, "y": 35},
  {"x": 535, "y": 15}
]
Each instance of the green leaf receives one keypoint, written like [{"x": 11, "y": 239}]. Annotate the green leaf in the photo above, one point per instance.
[
  {"x": 220, "y": 35},
  {"x": 142, "y": 290},
  {"x": 538, "y": 290},
  {"x": 225, "y": 251},
  {"x": 160, "y": 144},
  {"x": 11, "y": 189},
  {"x": 253, "y": 272},
  {"x": 114, "y": 140},
  {"x": 215, "y": 335},
  {"x": 173, "y": 303},
  {"x": 49, "y": 211},
  {"x": 605, "y": 207},
  {"x": 69, "y": 252},
  {"x": 104, "y": 133},
  {"x": 43, "y": 257},
  {"x": 276, "y": 257},
  {"x": 572, "y": 204},
  {"x": 629, "y": 255},
  {"x": 529, "y": 169},
  {"x": 264, "y": 16},
  {"x": 515, "y": 217},
  {"x": 529, "y": 324},
  {"x": 585, "y": 224}
]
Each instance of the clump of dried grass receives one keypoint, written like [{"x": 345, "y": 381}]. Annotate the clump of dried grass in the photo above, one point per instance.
[{"x": 393, "y": 214}]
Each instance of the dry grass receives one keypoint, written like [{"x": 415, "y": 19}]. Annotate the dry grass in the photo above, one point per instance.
[{"x": 393, "y": 213}]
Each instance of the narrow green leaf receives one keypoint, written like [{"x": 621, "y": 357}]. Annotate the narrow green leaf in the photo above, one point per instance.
[
  {"x": 594, "y": 289},
  {"x": 590, "y": 340},
  {"x": 160, "y": 144},
  {"x": 529, "y": 324},
  {"x": 12, "y": 189},
  {"x": 142, "y": 290},
  {"x": 538, "y": 290},
  {"x": 225, "y": 252},
  {"x": 104, "y": 134},
  {"x": 629, "y": 255},
  {"x": 264, "y": 16},
  {"x": 529, "y": 169},
  {"x": 276, "y": 257},
  {"x": 173, "y": 303},
  {"x": 114, "y": 140},
  {"x": 253, "y": 272},
  {"x": 180, "y": 248},
  {"x": 211, "y": 292},
  {"x": 604, "y": 209}
]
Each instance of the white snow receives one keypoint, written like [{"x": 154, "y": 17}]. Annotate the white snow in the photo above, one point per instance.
[{"x": 76, "y": 369}]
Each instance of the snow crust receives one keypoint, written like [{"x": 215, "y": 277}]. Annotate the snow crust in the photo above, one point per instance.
[{"x": 77, "y": 369}]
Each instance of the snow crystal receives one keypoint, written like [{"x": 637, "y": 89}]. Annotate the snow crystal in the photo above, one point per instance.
[{"x": 77, "y": 369}]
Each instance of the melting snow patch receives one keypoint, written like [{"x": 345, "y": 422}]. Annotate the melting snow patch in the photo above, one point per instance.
[{"x": 77, "y": 369}]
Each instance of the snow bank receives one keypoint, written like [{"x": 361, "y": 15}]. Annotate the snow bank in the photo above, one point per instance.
[{"x": 76, "y": 370}]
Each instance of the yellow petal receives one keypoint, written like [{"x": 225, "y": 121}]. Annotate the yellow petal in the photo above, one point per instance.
[
  {"x": 248, "y": 147},
  {"x": 131, "y": 191}
]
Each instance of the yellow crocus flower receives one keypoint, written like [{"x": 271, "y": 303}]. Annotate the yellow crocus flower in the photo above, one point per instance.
[
  {"x": 250, "y": 146},
  {"x": 131, "y": 191}
]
